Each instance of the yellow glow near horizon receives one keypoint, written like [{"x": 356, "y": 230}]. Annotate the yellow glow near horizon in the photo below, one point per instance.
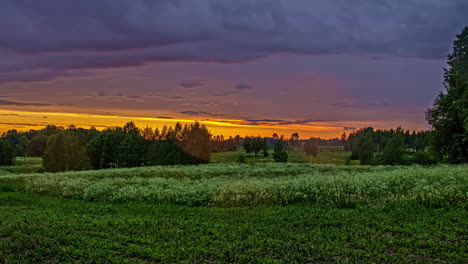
[{"x": 25, "y": 120}]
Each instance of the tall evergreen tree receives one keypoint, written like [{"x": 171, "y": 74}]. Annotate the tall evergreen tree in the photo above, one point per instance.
[{"x": 449, "y": 115}]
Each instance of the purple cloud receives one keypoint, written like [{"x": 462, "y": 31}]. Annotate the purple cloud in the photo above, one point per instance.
[
  {"x": 191, "y": 83},
  {"x": 49, "y": 38}
]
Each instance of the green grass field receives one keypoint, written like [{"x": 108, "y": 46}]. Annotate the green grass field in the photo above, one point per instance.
[
  {"x": 235, "y": 213},
  {"x": 329, "y": 155}
]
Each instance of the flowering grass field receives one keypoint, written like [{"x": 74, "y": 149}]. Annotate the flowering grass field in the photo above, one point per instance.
[
  {"x": 235, "y": 213},
  {"x": 251, "y": 185}
]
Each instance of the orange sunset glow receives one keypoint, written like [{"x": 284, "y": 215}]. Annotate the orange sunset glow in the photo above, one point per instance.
[{"x": 24, "y": 121}]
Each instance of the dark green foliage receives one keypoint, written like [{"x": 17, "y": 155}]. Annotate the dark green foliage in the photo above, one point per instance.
[
  {"x": 187, "y": 145},
  {"x": 37, "y": 146},
  {"x": 65, "y": 151},
  {"x": 265, "y": 148},
  {"x": 366, "y": 149},
  {"x": 118, "y": 147},
  {"x": 449, "y": 115},
  {"x": 310, "y": 148},
  {"x": 104, "y": 150},
  {"x": 394, "y": 150},
  {"x": 254, "y": 145},
  {"x": 423, "y": 158},
  {"x": 280, "y": 153},
  {"x": 7, "y": 152},
  {"x": 195, "y": 142},
  {"x": 167, "y": 152}
]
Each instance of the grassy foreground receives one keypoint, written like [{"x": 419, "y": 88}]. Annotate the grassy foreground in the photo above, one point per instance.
[
  {"x": 327, "y": 155},
  {"x": 235, "y": 213},
  {"x": 47, "y": 229}
]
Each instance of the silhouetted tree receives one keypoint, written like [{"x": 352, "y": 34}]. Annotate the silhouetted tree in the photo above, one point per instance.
[
  {"x": 449, "y": 115},
  {"x": 196, "y": 142}
]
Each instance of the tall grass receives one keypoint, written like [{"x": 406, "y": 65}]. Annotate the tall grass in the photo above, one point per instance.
[{"x": 266, "y": 184}]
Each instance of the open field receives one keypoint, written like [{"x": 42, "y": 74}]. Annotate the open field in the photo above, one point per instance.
[
  {"x": 248, "y": 185},
  {"x": 22, "y": 165},
  {"x": 52, "y": 230},
  {"x": 241, "y": 213},
  {"x": 330, "y": 155}
]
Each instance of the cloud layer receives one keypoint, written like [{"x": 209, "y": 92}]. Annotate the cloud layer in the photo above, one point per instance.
[{"x": 44, "y": 39}]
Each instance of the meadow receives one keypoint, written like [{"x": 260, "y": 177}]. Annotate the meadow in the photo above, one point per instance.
[
  {"x": 253, "y": 184},
  {"x": 257, "y": 212},
  {"x": 326, "y": 155}
]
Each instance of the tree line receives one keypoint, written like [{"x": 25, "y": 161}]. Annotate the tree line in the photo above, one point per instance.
[
  {"x": 75, "y": 148},
  {"x": 389, "y": 147}
]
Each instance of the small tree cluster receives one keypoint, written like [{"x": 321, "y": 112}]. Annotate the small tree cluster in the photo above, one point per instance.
[
  {"x": 65, "y": 151},
  {"x": 255, "y": 145}
]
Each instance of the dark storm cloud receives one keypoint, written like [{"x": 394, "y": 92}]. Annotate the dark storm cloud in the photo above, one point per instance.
[
  {"x": 284, "y": 122},
  {"x": 48, "y": 38},
  {"x": 265, "y": 120},
  {"x": 243, "y": 86},
  {"x": 13, "y": 103},
  {"x": 305, "y": 121},
  {"x": 197, "y": 113},
  {"x": 379, "y": 104},
  {"x": 191, "y": 83}
]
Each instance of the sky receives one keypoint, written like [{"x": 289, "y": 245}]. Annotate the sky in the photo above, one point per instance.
[{"x": 248, "y": 67}]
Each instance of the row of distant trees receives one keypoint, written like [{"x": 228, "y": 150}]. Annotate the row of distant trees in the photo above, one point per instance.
[
  {"x": 389, "y": 147},
  {"x": 128, "y": 146}
]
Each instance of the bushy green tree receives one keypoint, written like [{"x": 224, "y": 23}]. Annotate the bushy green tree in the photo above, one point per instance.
[
  {"x": 449, "y": 115},
  {"x": 195, "y": 142},
  {"x": 165, "y": 152},
  {"x": 37, "y": 146},
  {"x": 65, "y": 151},
  {"x": 117, "y": 147},
  {"x": 280, "y": 153},
  {"x": 7, "y": 152},
  {"x": 248, "y": 145},
  {"x": 394, "y": 149},
  {"x": 104, "y": 150}
]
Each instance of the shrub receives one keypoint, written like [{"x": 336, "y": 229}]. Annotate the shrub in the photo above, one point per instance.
[
  {"x": 280, "y": 154},
  {"x": 424, "y": 158}
]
